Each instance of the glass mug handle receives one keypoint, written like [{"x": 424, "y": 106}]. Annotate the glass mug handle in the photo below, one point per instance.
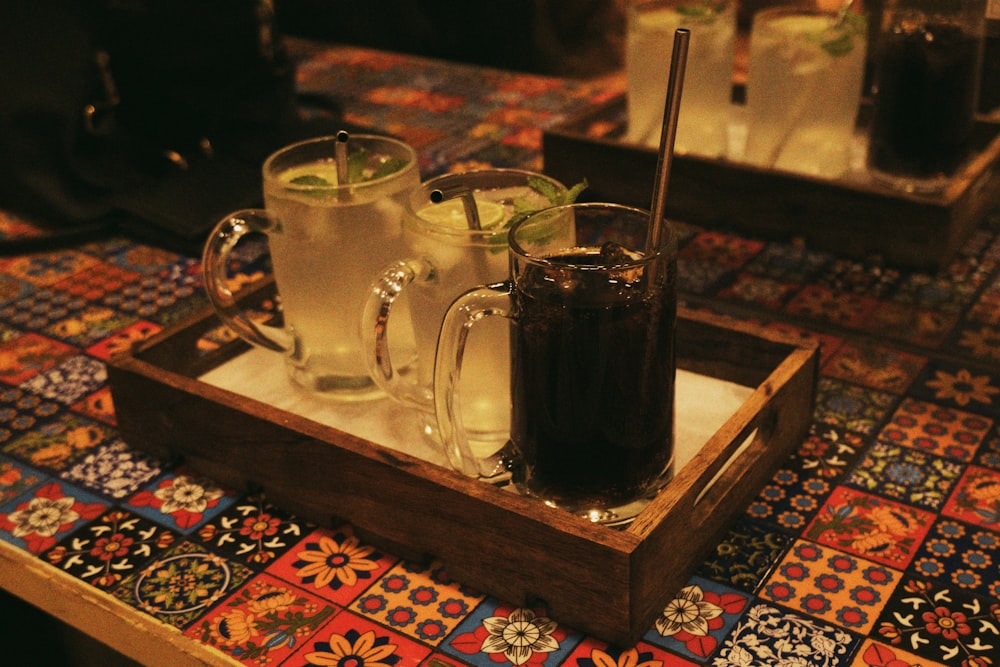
[
  {"x": 462, "y": 315},
  {"x": 215, "y": 260},
  {"x": 386, "y": 288}
]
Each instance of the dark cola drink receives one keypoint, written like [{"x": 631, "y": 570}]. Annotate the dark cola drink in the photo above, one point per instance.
[
  {"x": 592, "y": 379},
  {"x": 927, "y": 80}
]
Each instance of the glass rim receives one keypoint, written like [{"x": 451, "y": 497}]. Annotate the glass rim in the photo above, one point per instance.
[
  {"x": 270, "y": 175},
  {"x": 466, "y": 235},
  {"x": 516, "y": 248}
]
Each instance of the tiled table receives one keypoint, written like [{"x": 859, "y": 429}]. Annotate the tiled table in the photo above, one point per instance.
[{"x": 877, "y": 544}]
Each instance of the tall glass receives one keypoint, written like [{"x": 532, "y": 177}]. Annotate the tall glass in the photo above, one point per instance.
[
  {"x": 327, "y": 237},
  {"x": 703, "y": 124},
  {"x": 804, "y": 83},
  {"x": 592, "y": 317},
  {"x": 444, "y": 256},
  {"x": 927, "y": 64}
]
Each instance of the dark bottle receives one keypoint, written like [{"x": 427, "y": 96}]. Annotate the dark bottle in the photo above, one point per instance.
[{"x": 928, "y": 59}]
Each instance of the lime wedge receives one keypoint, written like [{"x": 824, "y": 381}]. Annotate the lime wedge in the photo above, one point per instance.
[{"x": 450, "y": 213}]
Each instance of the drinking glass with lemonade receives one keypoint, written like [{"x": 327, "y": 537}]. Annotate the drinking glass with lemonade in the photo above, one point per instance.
[
  {"x": 804, "y": 84},
  {"x": 704, "y": 119}
]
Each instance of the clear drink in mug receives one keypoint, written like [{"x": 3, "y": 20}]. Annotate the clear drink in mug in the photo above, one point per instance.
[
  {"x": 327, "y": 236},
  {"x": 443, "y": 257}
]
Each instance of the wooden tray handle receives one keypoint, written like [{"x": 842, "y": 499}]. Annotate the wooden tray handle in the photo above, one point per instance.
[{"x": 748, "y": 464}]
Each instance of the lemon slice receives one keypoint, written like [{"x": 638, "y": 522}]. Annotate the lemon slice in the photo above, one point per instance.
[{"x": 451, "y": 213}]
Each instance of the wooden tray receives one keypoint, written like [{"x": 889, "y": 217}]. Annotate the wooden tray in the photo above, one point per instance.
[
  {"x": 609, "y": 583},
  {"x": 852, "y": 216}
]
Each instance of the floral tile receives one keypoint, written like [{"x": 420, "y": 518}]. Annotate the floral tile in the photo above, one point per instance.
[
  {"x": 694, "y": 623},
  {"x": 38, "y": 519},
  {"x": 875, "y": 654},
  {"x": 986, "y": 308},
  {"x": 113, "y": 470},
  {"x": 157, "y": 295},
  {"x": 940, "y": 292},
  {"x": 108, "y": 549},
  {"x": 831, "y": 585},
  {"x": 142, "y": 259},
  {"x": 744, "y": 556},
  {"x": 334, "y": 564},
  {"x": 70, "y": 380},
  {"x": 941, "y": 623},
  {"x": 976, "y": 498},
  {"x": 59, "y": 444},
  {"x": 697, "y": 277},
  {"x": 908, "y": 475},
  {"x": 252, "y": 531},
  {"x": 182, "y": 584},
  {"x": 874, "y": 528},
  {"x": 788, "y": 263},
  {"x": 97, "y": 405},
  {"x": 960, "y": 387},
  {"x": 17, "y": 478},
  {"x": 25, "y": 356},
  {"x": 98, "y": 280},
  {"x": 181, "y": 500},
  {"x": 762, "y": 291},
  {"x": 40, "y": 309},
  {"x": 873, "y": 366},
  {"x": 768, "y": 636},
  {"x": 720, "y": 249},
  {"x": 12, "y": 289},
  {"x": 828, "y": 305},
  {"x": 496, "y": 632},
  {"x": 925, "y": 327},
  {"x": 595, "y": 653},
  {"x": 422, "y": 603},
  {"x": 845, "y": 406},
  {"x": 47, "y": 268},
  {"x": 960, "y": 555},
  {"x": 951, "y": 433},
  {"x": 829, "y": 452},
  {"x": 88, "y": 325},
  {"x": 263, "y": 622},
  {"x": 980, "y": 341},
  {"x": 123, "y": 338},
  {"x": 988, "y": 455},
  {"x": 828, "y": 343},
  {"x": 859, "y": 277},
  {"x": 791, "y": 498},
  {"x": 351, "y": 640},
  {"x": 22, "y": 411}
]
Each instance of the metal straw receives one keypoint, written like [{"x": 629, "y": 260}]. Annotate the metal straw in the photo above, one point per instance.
[
  {"x": 671, "y": 110},
  {"x": 468, "y": 202},
  {"x": 340, "y": 154}
]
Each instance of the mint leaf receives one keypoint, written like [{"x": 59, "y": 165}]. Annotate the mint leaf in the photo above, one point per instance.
[{"x": 311, "y": 180}]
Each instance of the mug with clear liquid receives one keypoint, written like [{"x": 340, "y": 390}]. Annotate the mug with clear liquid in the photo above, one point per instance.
[
  {"x": 445, "y": 254},
  {"x": 592, "y": 318},
  {"x": 329, "y": 226}
]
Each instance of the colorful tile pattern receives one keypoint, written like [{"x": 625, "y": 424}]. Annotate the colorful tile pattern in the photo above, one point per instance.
[{"x": 877, "y": 544}]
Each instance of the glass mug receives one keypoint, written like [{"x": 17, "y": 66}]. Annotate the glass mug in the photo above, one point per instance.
[
  {"x": 444, "y": 257},
  {"x": 327, "y": 234},
  {"x": 592, "y": 321}
]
